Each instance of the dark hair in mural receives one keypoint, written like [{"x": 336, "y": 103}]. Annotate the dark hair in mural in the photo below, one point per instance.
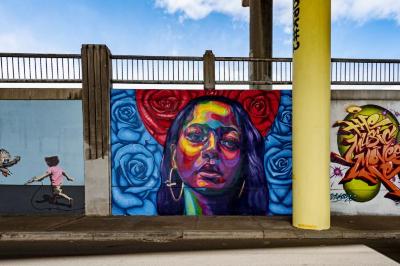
[
  {"x": 52, "y": 161},
  {"x": 253, "y": 199}
]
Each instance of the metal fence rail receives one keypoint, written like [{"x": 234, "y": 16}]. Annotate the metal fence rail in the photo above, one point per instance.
[
  {"x": 245, "y": 70},
  {"x": 134, "y": 69},
  {"x": 365, "y": 72},
  {"x": 42, "y": 68},
  {"x": 157, "y": 69},
  {"x": 248, "y": 71}
]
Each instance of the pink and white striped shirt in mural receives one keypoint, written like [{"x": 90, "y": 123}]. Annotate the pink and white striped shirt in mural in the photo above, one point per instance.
[{"x": 56, "y": 175}]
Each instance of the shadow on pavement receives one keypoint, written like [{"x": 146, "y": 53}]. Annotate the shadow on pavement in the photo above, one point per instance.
[{"x": 34, "y": 249}]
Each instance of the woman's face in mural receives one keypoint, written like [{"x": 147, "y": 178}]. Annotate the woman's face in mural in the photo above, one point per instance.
[{"x": 208, "y": 153}]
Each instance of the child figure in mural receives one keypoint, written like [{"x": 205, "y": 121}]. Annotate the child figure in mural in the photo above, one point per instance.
[{"x": 56, "y": 175}]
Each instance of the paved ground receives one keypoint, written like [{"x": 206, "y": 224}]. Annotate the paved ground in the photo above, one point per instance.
[
  {"x": 27, "y": 236},
  {"x": 334, "y": 255}
]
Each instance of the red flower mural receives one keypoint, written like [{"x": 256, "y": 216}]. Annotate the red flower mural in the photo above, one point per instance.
[
  {"x": 261, "y": 107},
  {"x": 158, "y": 108}
]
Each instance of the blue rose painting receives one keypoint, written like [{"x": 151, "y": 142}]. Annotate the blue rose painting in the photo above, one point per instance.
[
  {"x": 278, "y": 158},
  {"x": 181, "y": 153},
  {"x": 136, "y": 158}
]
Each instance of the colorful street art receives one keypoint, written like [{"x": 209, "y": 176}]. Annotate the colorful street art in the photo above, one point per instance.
[
  {"x": 6, "y": 161},
  {"x": 180, "y": 152},
  {"x": 35, "y": 130},
  {"x": 369, "y": 153}
]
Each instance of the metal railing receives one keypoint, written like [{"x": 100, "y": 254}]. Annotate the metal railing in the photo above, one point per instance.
[
  {"x": 365, "y": 71},
  {"x": 244, "y": 71},
  {"x": 133, "y": 69},
  {"x": 251, "y": 71},
  {"x": 157, "y": 69},
  {"x": 42, "y": 68}
]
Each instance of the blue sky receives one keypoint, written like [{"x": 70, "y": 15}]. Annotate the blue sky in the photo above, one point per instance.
[{"x": 360, "y": 28}]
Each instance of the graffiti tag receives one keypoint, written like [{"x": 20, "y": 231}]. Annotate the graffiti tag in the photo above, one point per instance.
[
  {"x": 336, "y": 197},
  {"x": 296, "y": 28}
]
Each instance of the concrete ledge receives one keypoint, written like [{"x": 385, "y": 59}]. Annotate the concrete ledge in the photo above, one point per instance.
[
  {"x": 40, "y": 94},
  {"x": 223, "y": 234},
  {"x": 170, "y": 229},
  {"x": 393, "y": 95},
  {"x": 169, "y": 236},
  {"x": 145, "y": 236}
]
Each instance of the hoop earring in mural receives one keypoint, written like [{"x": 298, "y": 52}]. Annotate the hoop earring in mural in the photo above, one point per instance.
[
  {"x": 171, "y": 184},
  {"x": 241, "y": 189}
]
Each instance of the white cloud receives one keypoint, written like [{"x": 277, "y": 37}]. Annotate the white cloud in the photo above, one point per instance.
[
  {"x": 13, "y": 42},
  {"x": 283, "y": 14},
  {"x": 364, "y": 10},
  {"x": 198, "y": 9},
  {"x": 359, "y": 11}
]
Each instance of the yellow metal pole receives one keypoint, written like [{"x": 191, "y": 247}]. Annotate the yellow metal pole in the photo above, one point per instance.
[{"x": 311, "y": 113}]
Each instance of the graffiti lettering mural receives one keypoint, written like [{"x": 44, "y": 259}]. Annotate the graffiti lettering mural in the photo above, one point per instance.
[
  {"x": 201, "y": 152},
  {"x": 368, "y": 143}
]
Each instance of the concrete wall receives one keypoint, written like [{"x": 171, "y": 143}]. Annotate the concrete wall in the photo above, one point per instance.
[{"x": 35, "y": 129}]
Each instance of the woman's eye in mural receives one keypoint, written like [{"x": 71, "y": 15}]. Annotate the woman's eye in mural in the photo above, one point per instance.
[
  {"x": 196, "y": 134},
  {"x": 231, "y": 141}
]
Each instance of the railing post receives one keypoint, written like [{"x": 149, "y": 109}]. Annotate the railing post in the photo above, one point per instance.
[
  {"x": 96, "y": 85},
  {"x": 209, "y": 70}
]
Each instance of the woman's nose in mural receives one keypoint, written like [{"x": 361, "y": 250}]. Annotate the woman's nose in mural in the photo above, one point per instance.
[{"x": 210, "y": 151}]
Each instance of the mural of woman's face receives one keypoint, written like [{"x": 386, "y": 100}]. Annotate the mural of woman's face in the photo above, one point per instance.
[{"x": 208, "y": 153}]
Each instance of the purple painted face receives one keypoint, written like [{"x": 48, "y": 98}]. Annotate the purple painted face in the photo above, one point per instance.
[{"x": 208, "y": 156}]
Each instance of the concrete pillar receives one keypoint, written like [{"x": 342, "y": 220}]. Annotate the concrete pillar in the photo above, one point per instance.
[
  {"x": 96, "y": 85},
  {"x": 311, "y": 113},
  {"x": 261, "y": 30}
]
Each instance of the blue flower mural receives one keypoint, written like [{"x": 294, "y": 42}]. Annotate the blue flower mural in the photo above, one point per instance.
[
  {"x": 136, "y": 158},
  {"x": 278, "y": 158}
]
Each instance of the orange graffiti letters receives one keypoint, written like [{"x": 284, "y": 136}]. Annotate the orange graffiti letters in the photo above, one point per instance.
[{"x": 372, "y": 153}]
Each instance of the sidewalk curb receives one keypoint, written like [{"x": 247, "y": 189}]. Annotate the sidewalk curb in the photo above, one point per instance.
[
  {"x": 169, "y": 229},
  {"x": 173, "y": 235}
]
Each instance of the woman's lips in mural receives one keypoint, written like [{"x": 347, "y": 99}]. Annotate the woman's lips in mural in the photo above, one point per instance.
[{"x": 211, "y": 173}]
